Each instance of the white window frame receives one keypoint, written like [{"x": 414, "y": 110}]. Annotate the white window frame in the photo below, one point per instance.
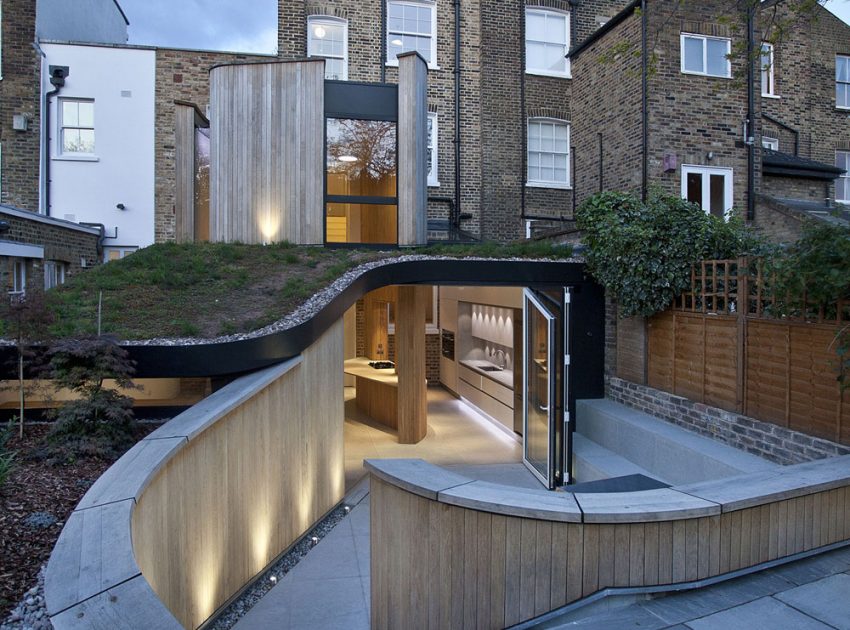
[
  {"x": 54, "y": 274},
  {"x": 60, "y": 136},
  {"x": 770, "y": 143},
  {"x": 845, "y": 177},
  {"x": 544, "y": 11},
  {"x": 122, "y": 250},
  {"x": 705, "y": 39},
  {"x": 705, "y": 171},
  {"x": 768, "y": 74},
  {"x": 329, "y": 20},
  {"x": 19, "y": 263},
  {"x": 433, "y": 149},
  {"x": 837, "y": 82},
  {"x": 417, "y": 3},
  {"x": 536, "y": 183}
]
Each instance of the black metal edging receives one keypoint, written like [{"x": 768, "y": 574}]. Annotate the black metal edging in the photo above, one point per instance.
[{"x": 246, "y": 355}]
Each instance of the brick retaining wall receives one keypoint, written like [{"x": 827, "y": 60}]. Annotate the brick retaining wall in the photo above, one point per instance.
[{"x": 770, "y": 441}]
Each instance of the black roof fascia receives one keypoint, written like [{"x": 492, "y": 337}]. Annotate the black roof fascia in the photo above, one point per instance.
[
  {"x": 605, "y": 28},
  {"x": 787, "y": 165}
]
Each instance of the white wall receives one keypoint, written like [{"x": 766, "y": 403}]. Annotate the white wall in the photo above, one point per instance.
[{"x": 82, "y": 189}]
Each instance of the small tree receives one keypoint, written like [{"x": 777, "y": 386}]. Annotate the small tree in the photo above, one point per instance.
[{"x": 101, "y": 417}]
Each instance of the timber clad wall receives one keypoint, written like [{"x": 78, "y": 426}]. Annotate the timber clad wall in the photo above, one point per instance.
[
  {"x": 227, "y": 503},
  {"x": 180, "y": 75},
  {"x": 451, "y": 567},
  {"x": 19, "y": 94},
  {"x": 267, "y": 160}
]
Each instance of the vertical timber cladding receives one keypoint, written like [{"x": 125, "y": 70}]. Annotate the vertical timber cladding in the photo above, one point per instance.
[
  {"x": 184, "y": 163},
  {"x": 267, "y": 158},
  {"x": 245, "y": 488},
  {"x": 412, "y": 149}
]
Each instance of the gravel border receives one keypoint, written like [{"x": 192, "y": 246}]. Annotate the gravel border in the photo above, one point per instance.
[
  {"x": 31, "y": 611},
  {"x": 263, "y": 583}
]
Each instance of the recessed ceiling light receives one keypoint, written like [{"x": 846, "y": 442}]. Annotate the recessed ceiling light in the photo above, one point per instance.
[
  {"x": 320, "y": 32},
  {"x": 396, "y": 42},
  {"x": 347, "y": 158}
]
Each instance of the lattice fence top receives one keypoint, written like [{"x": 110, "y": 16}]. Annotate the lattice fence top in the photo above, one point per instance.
[{"x": 742, "y": 286}]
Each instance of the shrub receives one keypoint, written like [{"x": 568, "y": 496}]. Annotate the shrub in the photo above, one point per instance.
[
  {"x": 100, "y": 418},
  {"x": 642, "y": 252}
]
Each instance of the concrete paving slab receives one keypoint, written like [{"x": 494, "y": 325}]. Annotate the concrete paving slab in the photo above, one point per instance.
[
  {"x": 827, "y": 600},
  {"x": 817, "y": 567},
  {"x": 766, "y": 613},
  {"x": 620, "y": 619}
]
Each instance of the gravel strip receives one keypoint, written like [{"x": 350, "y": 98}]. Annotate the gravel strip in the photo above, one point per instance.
[
  {"x": 264, "y": 583},
  {"x": 31, "y": 612}
]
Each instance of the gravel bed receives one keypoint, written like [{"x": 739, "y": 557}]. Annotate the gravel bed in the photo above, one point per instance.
[
  {"x": 264, "y": 583},
  {"x": 31, "y": 612},
  {"x": 321, "y": 299}
]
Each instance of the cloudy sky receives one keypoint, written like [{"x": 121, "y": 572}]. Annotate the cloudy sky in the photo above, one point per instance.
[{"x": 235, "y": 25}]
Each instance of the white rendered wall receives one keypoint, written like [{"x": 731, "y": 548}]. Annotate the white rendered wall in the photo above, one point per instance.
[{"x": 121, "y": 171}]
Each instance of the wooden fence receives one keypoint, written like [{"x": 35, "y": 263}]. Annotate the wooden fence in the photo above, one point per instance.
[{"x": 730, "y": 343}]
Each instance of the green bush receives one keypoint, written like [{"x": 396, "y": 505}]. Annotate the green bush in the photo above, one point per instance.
[
  {"x": 100, "y": 418},
  {"x": 642, "y": 252}
]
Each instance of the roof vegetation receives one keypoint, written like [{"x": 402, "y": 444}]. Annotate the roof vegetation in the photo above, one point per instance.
[{"x": 208, "y": 290}]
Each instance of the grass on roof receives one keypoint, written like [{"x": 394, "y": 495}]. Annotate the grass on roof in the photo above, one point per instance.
[{"x": 208, "y": 290}]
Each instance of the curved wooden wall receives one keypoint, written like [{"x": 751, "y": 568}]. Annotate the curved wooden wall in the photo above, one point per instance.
[
  {"x": 267, "y": 125},
  {"x": 450, "y": 552}
]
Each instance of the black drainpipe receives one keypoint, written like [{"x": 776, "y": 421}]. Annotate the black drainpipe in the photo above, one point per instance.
[
  {"x": 383, "y": 42},
  {"x": 751, "y": 106},
  {"x": 644, "y": 184},
  {"x": 523, "y": 123},
  {"x": 57, "y": 80},
  {"x": 455, "y": 220}
]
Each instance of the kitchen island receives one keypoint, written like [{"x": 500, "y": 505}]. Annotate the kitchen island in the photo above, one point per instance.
[{"x": 377, "y": 391}]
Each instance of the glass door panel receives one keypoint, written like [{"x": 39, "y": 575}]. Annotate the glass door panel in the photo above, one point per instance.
[{"x": 539, "y": 404}]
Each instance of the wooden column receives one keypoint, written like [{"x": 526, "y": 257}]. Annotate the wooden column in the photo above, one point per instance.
[
  {"x": 412, "y": 149},
  {"x": 184, "y": 166},
  {"x": 410, "y": 363},
  {"x": 376, "y": 322}
]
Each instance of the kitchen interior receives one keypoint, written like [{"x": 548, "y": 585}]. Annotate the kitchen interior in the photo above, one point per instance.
[{"x": 457, "y": 346}]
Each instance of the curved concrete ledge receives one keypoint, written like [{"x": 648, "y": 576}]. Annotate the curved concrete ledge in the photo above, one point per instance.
[
  {"x": 462, "y": 552},
  {"x": 92, "y": 578}
]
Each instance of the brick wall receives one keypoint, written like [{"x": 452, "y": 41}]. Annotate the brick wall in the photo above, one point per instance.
[
  {"x": 60, "y": 243},
  {"x": 606, "y": 100},
  {"x": 19, "y": 94},
  {"x": 804, "y": 70},
  {"x": 777, "y": 222},
  {"x": 766, "y": 440},
  {"x": 180, "y": 75}
]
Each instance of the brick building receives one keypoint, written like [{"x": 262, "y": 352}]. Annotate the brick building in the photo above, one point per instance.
[{"x": 674, "y": 81}]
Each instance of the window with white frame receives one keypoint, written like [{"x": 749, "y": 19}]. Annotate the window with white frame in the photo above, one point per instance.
[
  {"x": 411, "y": 26},
  {"x": 54, "y": 274},
  {"x": 547, "y": 40},
  {"x": 842, "y": 184},
  {"x": 768, "y": 85},
  {"x": 708, "y": 56},
  {"x": 76, "y": 126},
  {"x": 710, "y": 187},
  {"x": 19, "y": 277},
  {"x": 842, "y": 81},
  {"x": 327, "y": 37},
  {"x": 770, "y": 143},
  {"x": 117, "y": 253},
  {"x": 433, "y": 142},
  {"x": 548, "y": 153}
]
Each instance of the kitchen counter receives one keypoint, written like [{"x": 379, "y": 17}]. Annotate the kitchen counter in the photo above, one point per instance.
[
  {"x": 377, "y": 391},
  {"x": 502, "y": 377}
]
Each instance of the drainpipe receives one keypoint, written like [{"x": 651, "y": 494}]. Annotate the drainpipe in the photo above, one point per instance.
[
  {"x": 644, "y": 184},
  {"x": 57, "y": 80},
  {"x": 751, "y": 107},
  {"x": 383, "y": 42},
  {"x": 455, "y": 220},
  {"x": 523, "y": 123}
]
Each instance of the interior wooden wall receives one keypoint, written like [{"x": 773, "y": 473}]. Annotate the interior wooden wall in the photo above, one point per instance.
[
  {"x": 267, "y": 155},
  {"x": 779, "y": 372},
  {"x": 246, "y": 488},
  {"x": 451, "y": 567}
]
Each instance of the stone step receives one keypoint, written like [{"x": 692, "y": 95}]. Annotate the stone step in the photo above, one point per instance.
[
  {"x": 592, "y": 462},
  {"x": 668, "y": 452}
]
